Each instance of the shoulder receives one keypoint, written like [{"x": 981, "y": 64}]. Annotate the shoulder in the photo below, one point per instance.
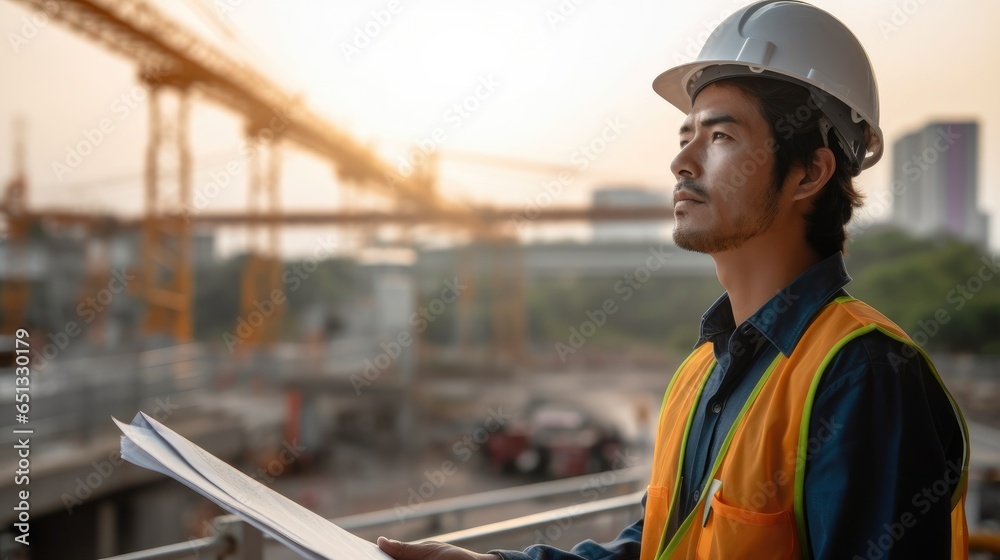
[
  {"x": 876, "y": 376},
  {"x": 874, "y": 357}
]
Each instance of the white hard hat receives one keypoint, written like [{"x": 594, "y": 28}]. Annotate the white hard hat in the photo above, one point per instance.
[{"x": 796, "y": 42}]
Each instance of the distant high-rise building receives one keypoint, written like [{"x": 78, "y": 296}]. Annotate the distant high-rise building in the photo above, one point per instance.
[
  {"x": 629, "y": 197},
  {"x": 935, "y": 179}
]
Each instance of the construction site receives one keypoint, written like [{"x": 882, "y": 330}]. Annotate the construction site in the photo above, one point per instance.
[{"x": 372, "y": 345}]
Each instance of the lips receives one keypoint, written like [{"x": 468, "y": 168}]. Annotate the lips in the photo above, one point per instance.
[{"x": 686, "y": 196}]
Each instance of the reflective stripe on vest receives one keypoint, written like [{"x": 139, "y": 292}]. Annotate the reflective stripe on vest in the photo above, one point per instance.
[{"x": 757, "y": 510}]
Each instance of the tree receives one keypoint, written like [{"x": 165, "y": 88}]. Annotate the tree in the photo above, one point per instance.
[{"x": 944, "y": 288}]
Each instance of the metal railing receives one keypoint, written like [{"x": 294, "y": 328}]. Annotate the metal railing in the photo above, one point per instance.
[
  {"x": 984, "y": 542},
  {"x": 220, "y": 546},
  {"x": 74, "y": 398},
  {"x": 458, "y": 506},
  {"x": 578, "y": 512},
  {"x": 250, "y": 547},
  {"x": 239, "y": 541},
  {"x": 236, "y": 541}
]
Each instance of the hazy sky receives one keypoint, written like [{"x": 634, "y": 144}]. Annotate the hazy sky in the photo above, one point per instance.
[{"x": 543, "y": 78}]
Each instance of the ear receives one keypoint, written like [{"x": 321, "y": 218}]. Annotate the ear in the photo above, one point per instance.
[{"x": 816, "y": 174}]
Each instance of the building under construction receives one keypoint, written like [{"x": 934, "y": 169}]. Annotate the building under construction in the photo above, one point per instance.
[{"x": 374, "y": 353}]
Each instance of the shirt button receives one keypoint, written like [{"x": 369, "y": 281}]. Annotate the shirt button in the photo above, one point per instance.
[
  {"x": 696, "y": 495},
  {"x": 717, "y": 408}
]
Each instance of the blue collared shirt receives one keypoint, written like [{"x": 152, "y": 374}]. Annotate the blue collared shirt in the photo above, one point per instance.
[{"x": 888, "y": 442}]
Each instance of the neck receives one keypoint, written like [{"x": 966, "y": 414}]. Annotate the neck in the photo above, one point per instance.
[{"x": 759, "y": 269}]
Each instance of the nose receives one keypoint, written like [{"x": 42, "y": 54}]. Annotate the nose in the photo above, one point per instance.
[{"x": 686, "y": 162}]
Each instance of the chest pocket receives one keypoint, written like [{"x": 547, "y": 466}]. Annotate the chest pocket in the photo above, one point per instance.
[{"x": 733, "y": 533}]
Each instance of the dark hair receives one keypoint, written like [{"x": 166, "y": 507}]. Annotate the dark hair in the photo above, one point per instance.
[{"x": 794, "y": 117}]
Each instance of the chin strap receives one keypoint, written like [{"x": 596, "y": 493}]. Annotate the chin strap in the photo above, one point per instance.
[{"x": 824, "y": 130}]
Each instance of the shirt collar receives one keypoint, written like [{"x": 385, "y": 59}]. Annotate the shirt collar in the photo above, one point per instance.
[{"x": 784, "y": 317}]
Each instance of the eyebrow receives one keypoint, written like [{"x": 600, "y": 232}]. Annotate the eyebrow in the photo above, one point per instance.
[{"x": 710, "y": 121}]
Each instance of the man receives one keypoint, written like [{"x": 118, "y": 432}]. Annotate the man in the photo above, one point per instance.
[{"x": 805, "y": 424}]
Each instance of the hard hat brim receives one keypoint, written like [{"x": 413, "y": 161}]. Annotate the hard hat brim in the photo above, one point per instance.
[{"x": 672, "y": 85}]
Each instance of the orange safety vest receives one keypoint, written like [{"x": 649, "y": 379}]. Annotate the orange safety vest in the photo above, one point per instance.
[{"x": 757, "y": 509}]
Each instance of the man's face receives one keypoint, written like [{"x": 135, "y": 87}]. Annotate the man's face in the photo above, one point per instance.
[{"x": 725, "y": 193}]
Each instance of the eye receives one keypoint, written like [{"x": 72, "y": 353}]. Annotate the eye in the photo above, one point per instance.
[
  {"x": 684, "y": 143},
  {"x": 720, "y": 136}
]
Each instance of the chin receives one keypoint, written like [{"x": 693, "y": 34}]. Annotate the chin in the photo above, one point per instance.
[
  {"x": 688, "y": 240},
  {"x": 706, "y": 241}
]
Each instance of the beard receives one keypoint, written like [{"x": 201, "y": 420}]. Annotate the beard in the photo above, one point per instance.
[{"x": 752, "y": 221}]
